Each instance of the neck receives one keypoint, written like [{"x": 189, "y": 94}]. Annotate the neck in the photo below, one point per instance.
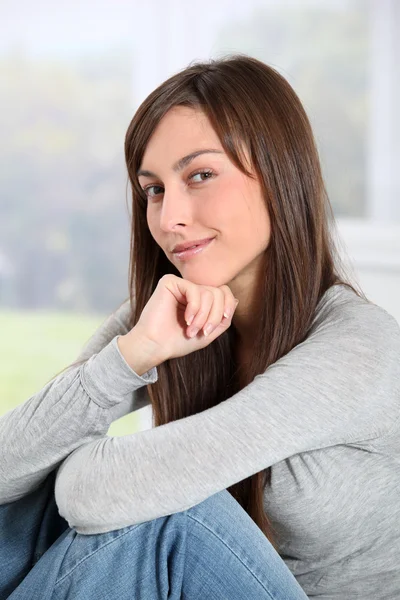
[
  {"x": 247, "y": 288},
  {"x": 246, "y": 322},
  {"x": 245, "y": 319}
]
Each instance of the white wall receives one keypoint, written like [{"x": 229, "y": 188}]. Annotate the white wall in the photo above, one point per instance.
[{"x": 373, "y": 250}]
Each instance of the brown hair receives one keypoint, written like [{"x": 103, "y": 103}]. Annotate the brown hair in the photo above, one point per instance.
[{"x": 248, "y": 104}]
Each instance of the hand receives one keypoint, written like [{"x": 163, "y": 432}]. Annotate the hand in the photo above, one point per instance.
[{"x": 164, "y": 318}]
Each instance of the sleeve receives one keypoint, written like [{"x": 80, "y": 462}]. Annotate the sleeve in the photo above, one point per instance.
[
  {"x": 340, "y": 385},
  {"x": 76, "y": 407}
]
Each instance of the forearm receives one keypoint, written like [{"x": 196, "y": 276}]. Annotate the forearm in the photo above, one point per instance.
[
  {"x": 38, "y": 434},
  {"x": 72, "y": 410}
]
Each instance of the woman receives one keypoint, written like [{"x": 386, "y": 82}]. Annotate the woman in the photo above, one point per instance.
[{"x": 272, "y": 469}]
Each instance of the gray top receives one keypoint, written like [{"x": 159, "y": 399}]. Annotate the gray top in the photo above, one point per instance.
[{"x": 325, "y": 417}]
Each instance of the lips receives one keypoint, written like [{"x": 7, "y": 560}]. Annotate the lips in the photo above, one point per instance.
[
  {"x": 193, "y": 250},
  {"x": 188, "y": 245}
]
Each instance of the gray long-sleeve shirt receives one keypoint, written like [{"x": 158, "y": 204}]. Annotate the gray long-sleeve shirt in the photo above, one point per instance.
[{"x": 325, "y": 417}]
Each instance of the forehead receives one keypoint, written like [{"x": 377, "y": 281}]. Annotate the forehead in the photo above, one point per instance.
[{"x": 181, "y": 130}]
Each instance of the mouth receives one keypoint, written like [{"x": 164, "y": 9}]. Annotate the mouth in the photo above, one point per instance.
[{"x": 193, "y": 251}]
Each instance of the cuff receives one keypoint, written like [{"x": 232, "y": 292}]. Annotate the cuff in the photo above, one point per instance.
[{"x": 108, "y": 378}]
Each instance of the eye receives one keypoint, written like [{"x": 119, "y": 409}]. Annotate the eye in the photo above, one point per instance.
[
  {"x": 149, "y": 187},
  {"x": 208, "y": 173}
]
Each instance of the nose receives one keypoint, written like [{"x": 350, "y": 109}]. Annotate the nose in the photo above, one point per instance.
[{"x": 175, "y": 209}]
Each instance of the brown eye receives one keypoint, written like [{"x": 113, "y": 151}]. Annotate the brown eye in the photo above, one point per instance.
[
  {"x": 208, "y": 173},
  {"x": 146, "y": 190}
]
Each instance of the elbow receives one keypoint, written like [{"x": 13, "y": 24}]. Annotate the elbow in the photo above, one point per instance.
[
  {"x": 74, "y": 501},
  {"x": 72, "y": 497},
  {"x": 65, "y": 497}
]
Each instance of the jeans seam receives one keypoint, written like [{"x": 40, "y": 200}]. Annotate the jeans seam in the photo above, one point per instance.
[
  {"x": 233, "y": 552},
  {"x": 94, "y": 552}
]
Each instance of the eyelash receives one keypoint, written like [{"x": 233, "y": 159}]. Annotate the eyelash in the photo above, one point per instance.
[{"x": 201, "y": 171}]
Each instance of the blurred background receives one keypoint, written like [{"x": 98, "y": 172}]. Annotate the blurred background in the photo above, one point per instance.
[{"x": 71, "y": 77}]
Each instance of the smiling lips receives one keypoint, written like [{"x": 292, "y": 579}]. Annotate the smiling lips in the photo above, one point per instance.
[
  {"x": 192, "y": 250},
  {"x": 190, "y": 244}
]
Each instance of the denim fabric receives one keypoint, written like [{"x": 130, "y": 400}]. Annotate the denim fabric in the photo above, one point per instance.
[{"x": 210, "y": 551}]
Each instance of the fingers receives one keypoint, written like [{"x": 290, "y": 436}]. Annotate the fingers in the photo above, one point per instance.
[
  {"x": 230, "y": 303},
  {"x": 200, "y": 309},
  {"x": 208, "y": 308}
]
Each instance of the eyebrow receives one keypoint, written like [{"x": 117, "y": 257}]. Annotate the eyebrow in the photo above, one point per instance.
[{"x": 182, "y": 162}]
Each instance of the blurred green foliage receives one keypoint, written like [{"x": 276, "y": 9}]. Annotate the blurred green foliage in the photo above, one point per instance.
[{"x": 35, "y": 345}]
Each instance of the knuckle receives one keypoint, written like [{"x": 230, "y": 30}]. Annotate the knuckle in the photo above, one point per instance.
[
  {"x": 225, "y": 289},
  {"x": 208, "y": 293}
]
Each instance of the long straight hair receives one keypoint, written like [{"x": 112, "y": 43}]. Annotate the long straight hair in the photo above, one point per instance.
[{"x": 249, "y": 104}]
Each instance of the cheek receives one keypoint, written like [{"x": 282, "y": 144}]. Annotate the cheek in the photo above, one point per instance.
[
  {"x": 232, "y": 208},
  {"x": 226, "y": 204},
  {"x": 244, "y": 217},
  {"x": 152, "y": 224}
]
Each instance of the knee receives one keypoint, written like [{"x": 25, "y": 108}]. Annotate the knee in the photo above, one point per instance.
[
  {"x": 163, "y": 552},
  {"x": 151, "y": 541},
  {"x": 132, "y": 547}
]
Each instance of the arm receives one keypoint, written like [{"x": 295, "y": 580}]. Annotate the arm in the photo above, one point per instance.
[
  {"x": 340, "y": 385},
  {"x": 74, "y": 408}
]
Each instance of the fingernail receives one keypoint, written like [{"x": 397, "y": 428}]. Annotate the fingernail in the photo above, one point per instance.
[
  {"x": 228, "y": 314},
  {"x": 193, "y": 332},
  {"x": 237, "y": 301},
  {"x": 190, "y": 319},
  {"x": 208, "y": 329}
]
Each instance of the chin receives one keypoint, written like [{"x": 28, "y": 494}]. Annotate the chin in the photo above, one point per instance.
[{"x": 213, "y": 280}]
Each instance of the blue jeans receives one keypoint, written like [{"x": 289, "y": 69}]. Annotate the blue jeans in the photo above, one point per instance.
[{"x": 213, "y": 551}]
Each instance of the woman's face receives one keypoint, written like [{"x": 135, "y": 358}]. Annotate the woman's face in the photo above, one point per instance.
[{"x": 185, "y": 205}]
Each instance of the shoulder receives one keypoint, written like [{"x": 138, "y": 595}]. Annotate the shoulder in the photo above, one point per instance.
[
  {"x": 345, "y": 313},
  {"x": 122, "y": 315},
  {"x": 354, "y": 339},
  {"x": 117, "y": 323}
]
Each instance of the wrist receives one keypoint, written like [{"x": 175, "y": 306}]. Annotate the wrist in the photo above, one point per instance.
[{"x": 140, "y": 353}]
